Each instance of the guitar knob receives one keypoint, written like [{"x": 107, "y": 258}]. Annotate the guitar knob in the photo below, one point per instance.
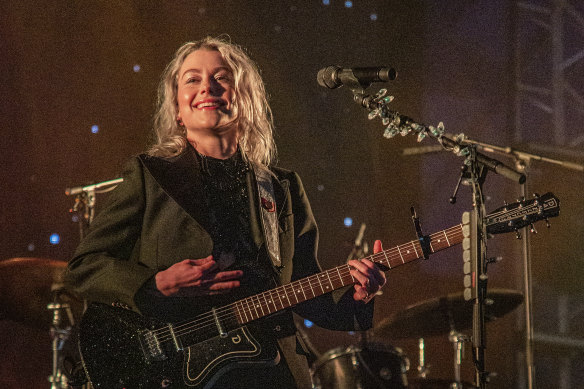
[{"x": 532, "y": 229}]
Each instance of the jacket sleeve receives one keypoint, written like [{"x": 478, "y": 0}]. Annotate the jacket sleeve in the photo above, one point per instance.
[
  {"x": 337, "y": 310},
  {"x": 105, "y": 267}
]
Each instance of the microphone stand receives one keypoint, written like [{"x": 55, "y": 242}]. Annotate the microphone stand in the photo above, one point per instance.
[
  {"x": 522, "y": 162},
  {"x": 477, "y": 165},
  {"x": 85, "y": 200}
]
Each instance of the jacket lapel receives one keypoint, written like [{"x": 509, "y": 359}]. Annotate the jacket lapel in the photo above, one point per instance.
[{"x": 180, "y": 178}]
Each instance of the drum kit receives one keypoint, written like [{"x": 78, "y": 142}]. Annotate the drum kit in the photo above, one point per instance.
[
  {"x": 32, "y": 292},
  {"x": 372, "y": 364}
]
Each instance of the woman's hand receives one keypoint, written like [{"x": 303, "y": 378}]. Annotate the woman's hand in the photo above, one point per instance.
[
  {"x": 196, "y": 277},
  {"x": 370, "y": 279}
]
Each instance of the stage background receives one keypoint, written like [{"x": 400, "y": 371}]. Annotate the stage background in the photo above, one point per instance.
[{"x": 78, "y": 93}]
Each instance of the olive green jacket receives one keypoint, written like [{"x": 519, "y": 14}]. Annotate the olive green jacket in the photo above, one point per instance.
[{"x": 156, "y": 217}]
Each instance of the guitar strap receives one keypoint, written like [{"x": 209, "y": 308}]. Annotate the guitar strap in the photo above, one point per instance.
[{"x": 268, "y": 215}]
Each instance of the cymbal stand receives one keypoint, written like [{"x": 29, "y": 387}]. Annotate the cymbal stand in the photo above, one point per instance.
[
  {"x": 59, "y": 336},
  {"x": 423, "y": 368},
  {"x": 457, "y": 339}
]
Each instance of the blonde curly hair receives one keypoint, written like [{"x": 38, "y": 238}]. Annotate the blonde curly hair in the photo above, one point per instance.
[{"x": 253, "y": 115}]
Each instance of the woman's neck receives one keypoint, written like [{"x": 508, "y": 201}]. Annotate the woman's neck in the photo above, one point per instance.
[{"x": 220, "y": 147}]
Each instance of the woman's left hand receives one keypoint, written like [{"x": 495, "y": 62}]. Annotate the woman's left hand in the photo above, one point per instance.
[{"x": 370, "y": 279}]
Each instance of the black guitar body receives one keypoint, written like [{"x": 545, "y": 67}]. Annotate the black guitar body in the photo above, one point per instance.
[{"x": 122, "y": 349}]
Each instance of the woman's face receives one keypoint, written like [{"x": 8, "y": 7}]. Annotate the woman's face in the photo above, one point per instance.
[{"x": 205, "y": 93}]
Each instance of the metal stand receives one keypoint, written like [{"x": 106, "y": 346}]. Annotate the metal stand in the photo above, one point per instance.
[
  {"x": 457, "y": 339},
  {"x": 59, "y": 336}
]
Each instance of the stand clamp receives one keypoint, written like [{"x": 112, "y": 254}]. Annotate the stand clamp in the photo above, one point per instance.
[{"x": 424, "y": 239}]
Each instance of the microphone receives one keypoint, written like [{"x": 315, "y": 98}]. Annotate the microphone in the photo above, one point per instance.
[{"x": 334, "y": 76}]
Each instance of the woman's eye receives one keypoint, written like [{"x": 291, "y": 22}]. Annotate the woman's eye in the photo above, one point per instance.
[{"x": 193, "y": 79}]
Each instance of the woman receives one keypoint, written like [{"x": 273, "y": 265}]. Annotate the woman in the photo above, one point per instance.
[{"x": 204, "y": 219}]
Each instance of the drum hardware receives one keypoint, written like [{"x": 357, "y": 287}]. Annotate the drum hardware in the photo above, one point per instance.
[
  {"x": 443, "y": 315},
  {"x": 440, "y": 315},
  {"x": 457, "y": 339},
  {"x": 370, "y": 365},
  {"x": 59, "y": 335},
  {"x": 423, "y": 368},
  {"x": 32, "y": 292}
]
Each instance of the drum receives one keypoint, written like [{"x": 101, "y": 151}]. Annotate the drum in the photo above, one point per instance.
[{"x": 372, "y": 365}]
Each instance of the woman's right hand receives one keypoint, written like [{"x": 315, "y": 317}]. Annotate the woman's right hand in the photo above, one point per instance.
[{"x": 196, "y": 277}]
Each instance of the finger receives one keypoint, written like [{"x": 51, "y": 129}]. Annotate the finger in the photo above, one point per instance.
[
  {"x": 372, "y": 271},
  {"x": 201, "y": 261},
  {"x": 224, "y": 286},
  {"x": 360, "y": 278},
  {"x": 360, "y": 293},
  {"x": 221, "y": 276},
  {"x": 377, "y": 247},
  {"x": 363, "y": 268},
  {"x": 207, "y": 266}
]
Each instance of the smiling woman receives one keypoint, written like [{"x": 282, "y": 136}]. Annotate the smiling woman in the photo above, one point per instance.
[
  {"x": 249, "y": 109},
  {"x": 205, "y": 103},
  {"x": 200, "y": 227}
]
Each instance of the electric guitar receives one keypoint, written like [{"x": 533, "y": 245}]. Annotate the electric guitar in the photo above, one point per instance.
[{"x": 123, "y": 349}]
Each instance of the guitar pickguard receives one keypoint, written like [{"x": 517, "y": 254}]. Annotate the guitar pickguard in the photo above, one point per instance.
[{"x": 216, "y": 356}]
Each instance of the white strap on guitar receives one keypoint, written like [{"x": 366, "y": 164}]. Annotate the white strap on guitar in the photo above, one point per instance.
[{"x": 268, "y": 213}]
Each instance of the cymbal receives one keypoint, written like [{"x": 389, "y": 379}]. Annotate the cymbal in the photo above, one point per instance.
[
  {"x": 440, "y": 315},
  {"x": 27, "y": 285}
]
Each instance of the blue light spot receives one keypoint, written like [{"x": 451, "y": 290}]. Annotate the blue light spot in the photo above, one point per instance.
[
  {"x": 373, "y": 17},
  {"x": 55, "y": 238},
  {"x": 136, "y": 68},
  {"x": 348, "y": 4},
  {"x": 94, "y": 129},
  {"x": 308, "y": 323},
  {"x": 348, "y": 222},
  {"x": 326, "y": 2},
  {"x": 75, "y": 218},
  {"x": 31, "y": 247},
  {"x": 351, "y": 332}
]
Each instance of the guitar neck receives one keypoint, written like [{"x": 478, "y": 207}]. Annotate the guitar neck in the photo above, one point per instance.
[{"x": 285, "y": 296}]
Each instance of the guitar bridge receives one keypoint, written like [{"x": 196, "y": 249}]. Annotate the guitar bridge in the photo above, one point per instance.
[{"x": 151, "y": 346}]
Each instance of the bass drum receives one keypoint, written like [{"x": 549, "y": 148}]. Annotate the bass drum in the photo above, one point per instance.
[{"x": 372, "y": 365}]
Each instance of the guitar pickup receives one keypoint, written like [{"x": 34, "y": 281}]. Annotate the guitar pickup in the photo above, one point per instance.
[{"x": 151, "y": 346}]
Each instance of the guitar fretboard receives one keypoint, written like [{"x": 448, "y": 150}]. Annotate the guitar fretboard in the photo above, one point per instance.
[{"x": 274, "y": 300}]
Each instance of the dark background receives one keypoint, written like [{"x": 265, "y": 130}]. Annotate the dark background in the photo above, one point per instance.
[{"x": 67, "y": 66}]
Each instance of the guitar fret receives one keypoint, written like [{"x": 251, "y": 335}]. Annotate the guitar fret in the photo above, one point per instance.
[
  {"x": 286, "y": 295},
  {"x": 340, "y": 277},
  {"x": 279, "y": 297},
  {"x": 302, "y": 290},
  {"x": 267, "y": 303},
  {"x": 329, "y": 278},
  {"x": 400, "y": 254},
  {"x": 294, "y": 292},
  {"x": 417, "y": 255},
  {"x": 240, "y": 319},
  {"x": 446, "y": 237},
  {"x": 320, "y": 283},
  {"x": 246, "y": 308},
  {"x": 254, "y": 307},
  {"x": 312, "y": 290}
]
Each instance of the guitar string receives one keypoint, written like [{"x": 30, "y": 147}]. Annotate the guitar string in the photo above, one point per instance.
[
  {"x": 254, "y": 303},
  {"x": 250, "y": 305},
  {"x": 211, "y": 323},
  {"x": 208, "y": 319},
  {"x": 229, "y": 312}
]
